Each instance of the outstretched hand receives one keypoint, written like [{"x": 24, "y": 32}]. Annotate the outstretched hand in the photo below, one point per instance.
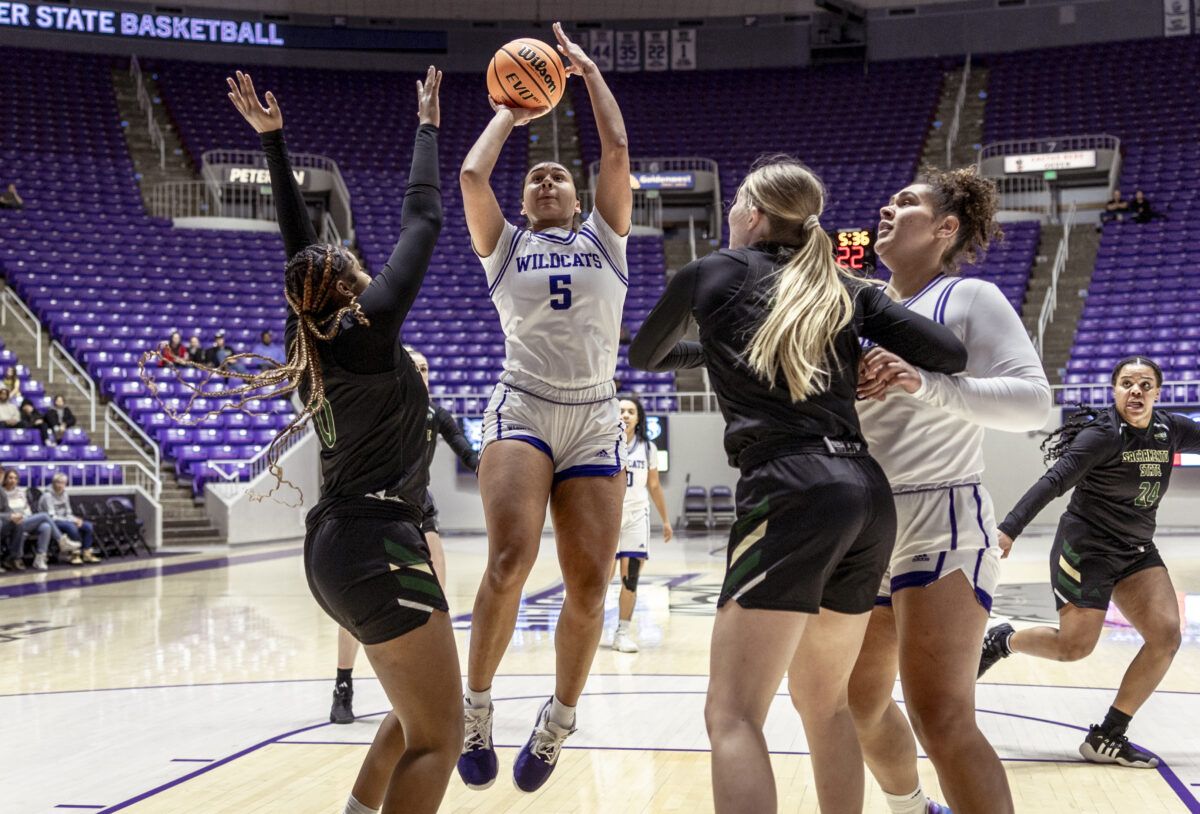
[
  {"x": 429, "y": 106},
  {"x": 245, "y": 99},
  {"x": 581, "y": 64},
  {"x": 521, "y": 116}
]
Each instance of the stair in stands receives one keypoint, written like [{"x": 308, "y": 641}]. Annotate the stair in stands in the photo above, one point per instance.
[
  {"x": 541, "y": 139},
  {"x": 970, "y": 122},
  {"x": 1072, "y": 292},
  {"x": 144, "y": 154}
]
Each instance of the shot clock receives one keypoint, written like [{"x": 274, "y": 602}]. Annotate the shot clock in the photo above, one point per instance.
[{"x": 855, "y": 249}]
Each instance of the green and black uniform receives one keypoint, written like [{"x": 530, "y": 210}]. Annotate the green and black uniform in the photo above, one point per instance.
[
  {"x": 441, "y": 422},
  {"x": 365, "y": 557},
  {"x": 815, "y": 518},
  {"x": 1120, "y": 474}
]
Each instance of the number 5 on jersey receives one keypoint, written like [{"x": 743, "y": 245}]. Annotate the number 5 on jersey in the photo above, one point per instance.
[{"x": 560, "y": 292}]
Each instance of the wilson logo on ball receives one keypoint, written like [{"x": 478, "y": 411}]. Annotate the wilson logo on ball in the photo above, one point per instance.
[{"x": 526, "y": 73}]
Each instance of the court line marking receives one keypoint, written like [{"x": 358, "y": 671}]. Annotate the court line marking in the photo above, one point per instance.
[
  {"x": 1164, "y": 771},
  {"x": 92, "y": 579}
]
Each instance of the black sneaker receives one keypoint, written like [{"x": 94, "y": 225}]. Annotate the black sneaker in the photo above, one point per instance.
[
  {"x": 1101, "y": 748},
  {"x": 995, "y": 647},
  {"x": 343, "y": 705}
]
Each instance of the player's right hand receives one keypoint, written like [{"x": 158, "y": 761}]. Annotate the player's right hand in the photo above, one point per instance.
[
  {"x": 521, "y": 116},
  {"x": 1005, "y": 542}
]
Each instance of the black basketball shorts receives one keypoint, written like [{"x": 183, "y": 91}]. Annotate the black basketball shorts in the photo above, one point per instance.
[
  {"x": 429, "y": 515},
  {"x": 1086, "y": 565},
  {"x": 372, "y": 575},
  {"x": 813, "y": 531}
]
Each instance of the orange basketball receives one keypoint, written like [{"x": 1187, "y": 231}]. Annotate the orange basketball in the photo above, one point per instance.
[{"x": 526, "y": 73}]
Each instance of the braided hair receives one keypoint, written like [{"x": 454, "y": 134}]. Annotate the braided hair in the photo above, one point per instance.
[
  {"x": 310, "y": 284},
  {"x": 1084, "y": 415}
]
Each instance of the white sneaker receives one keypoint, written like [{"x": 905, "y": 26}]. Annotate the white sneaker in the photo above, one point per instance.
[
  {"x": 67, "y": 545},
  {"x": 39, "y": 563},
  {"x": 623, "y": 642}
]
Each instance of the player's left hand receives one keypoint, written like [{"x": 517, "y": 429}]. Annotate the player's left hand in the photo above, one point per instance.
[
  {"x": 668, "y": 532},
  {"x": 1006, "y": 544},
  {"x": 581, "y": 64},
  {"x": 880, "y": 370}
]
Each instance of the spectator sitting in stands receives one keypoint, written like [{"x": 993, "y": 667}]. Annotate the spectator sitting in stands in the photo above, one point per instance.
[
  {"x": 266, "y": 347},
  {"x": 31, "y": 419},
  {"x": 219, "y": 352},
  {"x": 10, "y": 199},
  {"x": 15, "y": 507},
  {"x": 59, "y": 418},
  {"x": 13, "y": 385},
  {"x": 173, "y": 351},
  {"x": 57, "y": 504},
  {"x": 1141, "y": 209},
  {"x": 196, "y": 351},
  {"x": 10, "y": 416},
  {"x": 1115, "y": 209}
]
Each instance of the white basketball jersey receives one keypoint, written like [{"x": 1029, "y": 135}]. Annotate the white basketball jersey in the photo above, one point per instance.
[
  {"x": 560, "y": 295},
  {"x": 934, "y": 438},
  {"x": 640, "y": 458}
]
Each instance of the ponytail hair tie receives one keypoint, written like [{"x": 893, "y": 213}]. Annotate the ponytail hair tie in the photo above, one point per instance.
[{"x": 811, "y": 223}]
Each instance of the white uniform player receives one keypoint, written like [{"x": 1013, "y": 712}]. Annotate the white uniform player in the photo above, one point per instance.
[
  {"x": 560, "y": 295},
  {"x": 635, "y": 522},
  {"x": 930, "y": 444}
]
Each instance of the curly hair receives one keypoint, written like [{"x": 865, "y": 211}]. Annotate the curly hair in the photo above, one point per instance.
[
  {"x": 974, "y": 201},
  {"x": 310, "y": 283},
  {"x": 1059, "y": 441}
]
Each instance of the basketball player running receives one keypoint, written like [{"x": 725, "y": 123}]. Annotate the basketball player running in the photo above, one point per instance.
[
  {"x": 551, "y": 431},
  {"x": 366, "y": 561},
  {"x": 440, "y": 422},
  {"x": 780, "y": 328},
  {"x": 641, "y": 467},
  {"x": 1119, "y": 460},
  {"x": 927, "y": 434}
]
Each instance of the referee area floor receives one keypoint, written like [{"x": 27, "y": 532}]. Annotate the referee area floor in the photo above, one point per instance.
[{"x": 201, "y": 682}]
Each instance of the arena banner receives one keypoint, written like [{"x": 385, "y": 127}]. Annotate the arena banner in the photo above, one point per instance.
[
  {"x": 1041, "y": 162},
  {"x": 657, "y": 54},
  {"x": 601, "y": 49},
  {"x": 683, "y": 49},
  {"x": 223, "y": 31},
  {"x": 629, "y": 51},
  {"x": 1177, "y": 18},
  {"x": 662, "y": 180}
]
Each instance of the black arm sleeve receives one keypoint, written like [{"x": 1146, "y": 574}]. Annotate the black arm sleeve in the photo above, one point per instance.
[
  {"x": 390, "y": 295},
  {"x": 912, "y": 337},
  {"x": 1091, "y": 447},
  {"x": 658, "y": 345},
  {"x": 294, "y": 223},
  {"x": 448, "y": 428},
  {"x": 1187, "y": 433}
]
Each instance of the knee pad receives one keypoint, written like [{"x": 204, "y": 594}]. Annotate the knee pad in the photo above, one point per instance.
[{"x": 630, "y": 580}]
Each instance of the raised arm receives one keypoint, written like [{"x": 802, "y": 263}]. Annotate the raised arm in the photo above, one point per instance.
[
  {"x": 485, "y": 221},
  {"x": 614, "y": 195},
  {"x": 659, "y": 344},
  {"x": 294, "y": 223},
  {"x": 390, "y": 295}
]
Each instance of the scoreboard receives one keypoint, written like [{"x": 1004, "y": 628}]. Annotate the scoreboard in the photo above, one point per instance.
[{"x": 854, "y": 249}]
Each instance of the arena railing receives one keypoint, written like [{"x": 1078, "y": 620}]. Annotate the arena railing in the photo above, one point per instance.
[
  {"x": 146, "y": 105},
  {"x": 190, "y": 199},
  {"x": 1057, "y": 144},
  {"x": 956, "y": 121},
  {"x": 118, "y": 422},
  {"x": 257, "y": 158},
  {"x": 647, "y": 209},
  {"x": 231, "y": 471},
  {"x": 1050, "y": 301},
  {"x": 1174, "y": 394},
  {"x": 11, "y": 304},
  {"x": 65, "y": 366},
  {"x": 676, "y": 164},
  {"x": 96, "y": 473}
]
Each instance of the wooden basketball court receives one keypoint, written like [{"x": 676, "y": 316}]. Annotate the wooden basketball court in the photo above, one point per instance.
[{"x": 201, "y": 682}]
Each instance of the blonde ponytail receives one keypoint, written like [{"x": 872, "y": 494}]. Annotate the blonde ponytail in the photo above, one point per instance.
[{"x": 809, "y": 302}]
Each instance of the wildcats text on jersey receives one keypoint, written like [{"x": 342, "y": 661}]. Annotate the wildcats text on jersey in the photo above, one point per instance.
[{"x": 538, "y": 262}]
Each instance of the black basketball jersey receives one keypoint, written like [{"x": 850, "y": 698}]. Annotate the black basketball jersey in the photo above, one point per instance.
[
  {"x": 729, "y": 292},
  {"x": 1120, "y": 474}
]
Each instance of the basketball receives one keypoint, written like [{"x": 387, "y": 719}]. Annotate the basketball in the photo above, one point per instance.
[{"x": 526, "y": 73}]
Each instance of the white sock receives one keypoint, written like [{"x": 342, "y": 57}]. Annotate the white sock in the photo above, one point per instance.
[
  {"x": 561, "y": 714},
  {"x": 479, "y": 699},
  {"x": 623, "y": 625},
  {"x": 914, "y": 802},
  {"x": 353, "y": 806}
]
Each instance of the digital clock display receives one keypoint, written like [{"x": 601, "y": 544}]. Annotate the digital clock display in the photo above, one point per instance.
[{"x": 854, "y": 249}]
